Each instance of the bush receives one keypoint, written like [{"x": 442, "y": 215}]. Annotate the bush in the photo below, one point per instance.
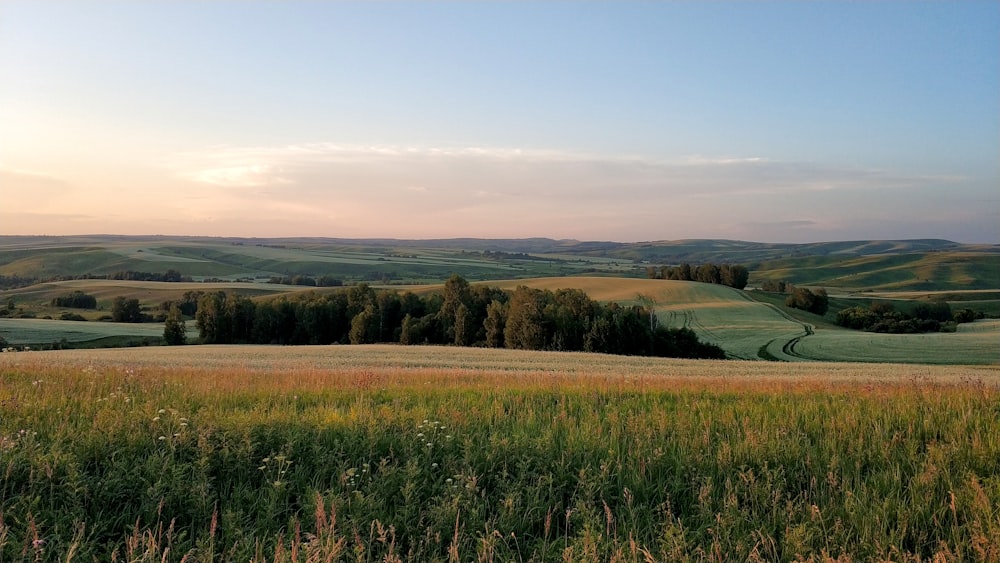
[{"x": 71, "y": 317}]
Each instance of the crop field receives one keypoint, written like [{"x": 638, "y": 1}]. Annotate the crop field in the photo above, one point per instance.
[
  {"x": 974, "y": 343},
  {"x": 389, "y": 453},
  {"x": 260, "y": 258},
  {"x": 30, "y": 331},
  {"x": 47, "y": 331}
]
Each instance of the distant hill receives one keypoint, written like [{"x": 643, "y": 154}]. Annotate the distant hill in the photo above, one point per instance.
[{"x": 923, "y": 264}]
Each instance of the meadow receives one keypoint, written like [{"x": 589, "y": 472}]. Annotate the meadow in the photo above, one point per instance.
[{"x": 390, "y": 453}]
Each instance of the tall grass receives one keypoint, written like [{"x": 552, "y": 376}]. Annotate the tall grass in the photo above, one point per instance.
[{"x": 119, "y": 461}]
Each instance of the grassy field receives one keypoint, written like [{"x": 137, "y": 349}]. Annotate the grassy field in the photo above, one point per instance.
[
  {"x": 974, "y": 343},
  {"x": 758, "y": 328},
  {"x": 917, "y": 271},
  {"x": 387, "y": 453},
  {"x": 47, "y": 331}
]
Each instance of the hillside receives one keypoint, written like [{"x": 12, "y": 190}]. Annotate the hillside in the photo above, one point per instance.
[{"x": 925, "y": 265}]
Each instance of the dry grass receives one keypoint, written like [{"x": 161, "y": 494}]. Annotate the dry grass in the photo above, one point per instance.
[{"x": 390, "y": 453}]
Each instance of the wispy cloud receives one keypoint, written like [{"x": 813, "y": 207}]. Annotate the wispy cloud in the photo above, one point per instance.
[{"x": 412, "y": 191}]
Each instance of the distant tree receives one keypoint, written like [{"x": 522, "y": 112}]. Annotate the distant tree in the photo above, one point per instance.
[
  {"x": 967, "y": 315},
  {"x": 75, "y": 300},
  {"x": 708, "y": 273},
  {"x": 735, "y": 275},
  {"x": 303, "y": 280},
  {"x": 684, "y": 272},
  {"x": 174, "y": 329},
  {"x": 329, "y": 281},
  {"x": 937, "y": 311},
  {"x": 124, "y": 310},
  {"x": 816, "y": 302}
]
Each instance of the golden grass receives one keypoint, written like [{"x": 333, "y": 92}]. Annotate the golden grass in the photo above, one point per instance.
[{"x": 427, "y": 365}]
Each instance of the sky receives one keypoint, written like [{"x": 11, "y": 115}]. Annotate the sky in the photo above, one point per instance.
[{"x": 626, "y": 121}]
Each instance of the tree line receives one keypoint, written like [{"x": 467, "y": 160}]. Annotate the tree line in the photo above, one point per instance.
[
  {"x": 882, "y": 316},
  {"x": 168, "y": 276},
  {"x": 461, "y": 315},
  {"x": 732, "y": 275}
]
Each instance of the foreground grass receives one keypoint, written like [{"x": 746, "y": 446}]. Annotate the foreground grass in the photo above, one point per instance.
[{"x": 389, "y": 453}]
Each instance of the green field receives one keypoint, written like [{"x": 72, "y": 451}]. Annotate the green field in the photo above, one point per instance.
[
  {"x": 974, "y": 343},
  {"x": 758, "y": 328},
  {"x": 911, "y": 271},
  {"x": 391, "y": 453},
  {"x": 234, "y": 259},
  {"x": 46, "y": 331}
]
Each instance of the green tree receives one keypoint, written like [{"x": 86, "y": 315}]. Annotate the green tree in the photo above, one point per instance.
[
  {"x": 124, "y": 310},
  {"x": 524, "y": 328},
  {"x": 364, "y": 326},
  {"x": 494, "y": 324},
  {"x": 174, "y": 329},
  {"x": 463, "y": 329}
]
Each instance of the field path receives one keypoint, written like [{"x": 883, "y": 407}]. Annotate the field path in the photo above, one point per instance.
[{"x": 787, "y": 350}]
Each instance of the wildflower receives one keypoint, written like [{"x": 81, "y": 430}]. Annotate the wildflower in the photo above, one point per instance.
[
  {"x": 161, "y": 411},
  {"x": 162, "y": 438},
  {"x": 156, "y": 419},
  {"x": 434, "y": 465}
]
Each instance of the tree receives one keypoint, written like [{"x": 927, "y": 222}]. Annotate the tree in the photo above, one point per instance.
[
  {"x": 494, "y": 323},
  {"x": 364, "y": 326},
  {"x": 815, "y": 302},
  {"x": 174, "y": 330},
  {"x": 211, "y": 320},
  {"x": 75, "y": 300},
  {"x": 125, "y": 310},
  {"x": 735, "y": 275},
  {"x": 463, "y": 329},
  {"x": 524, "y": 329}
]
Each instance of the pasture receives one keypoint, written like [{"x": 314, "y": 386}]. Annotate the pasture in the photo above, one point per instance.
[{"x": 392, "y": 453}]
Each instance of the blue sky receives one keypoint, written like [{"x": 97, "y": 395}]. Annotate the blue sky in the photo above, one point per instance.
[{"x": 770, "y": 121}]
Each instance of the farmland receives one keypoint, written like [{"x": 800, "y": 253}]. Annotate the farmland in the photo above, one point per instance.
[
  {"x": 446, "y": 454},
  {"x": 757, "y": 328}
]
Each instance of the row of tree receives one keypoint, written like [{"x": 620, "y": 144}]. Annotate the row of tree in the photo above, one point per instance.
[
  {"x": 462, "y": 315},
  {"x": 75, "y": 300},
  {"x": 168, "y": 276},
  {"x": 732, "y": 275},
  {"x": 925, "y": 317},
  {"x": 309, "y": 281}
]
